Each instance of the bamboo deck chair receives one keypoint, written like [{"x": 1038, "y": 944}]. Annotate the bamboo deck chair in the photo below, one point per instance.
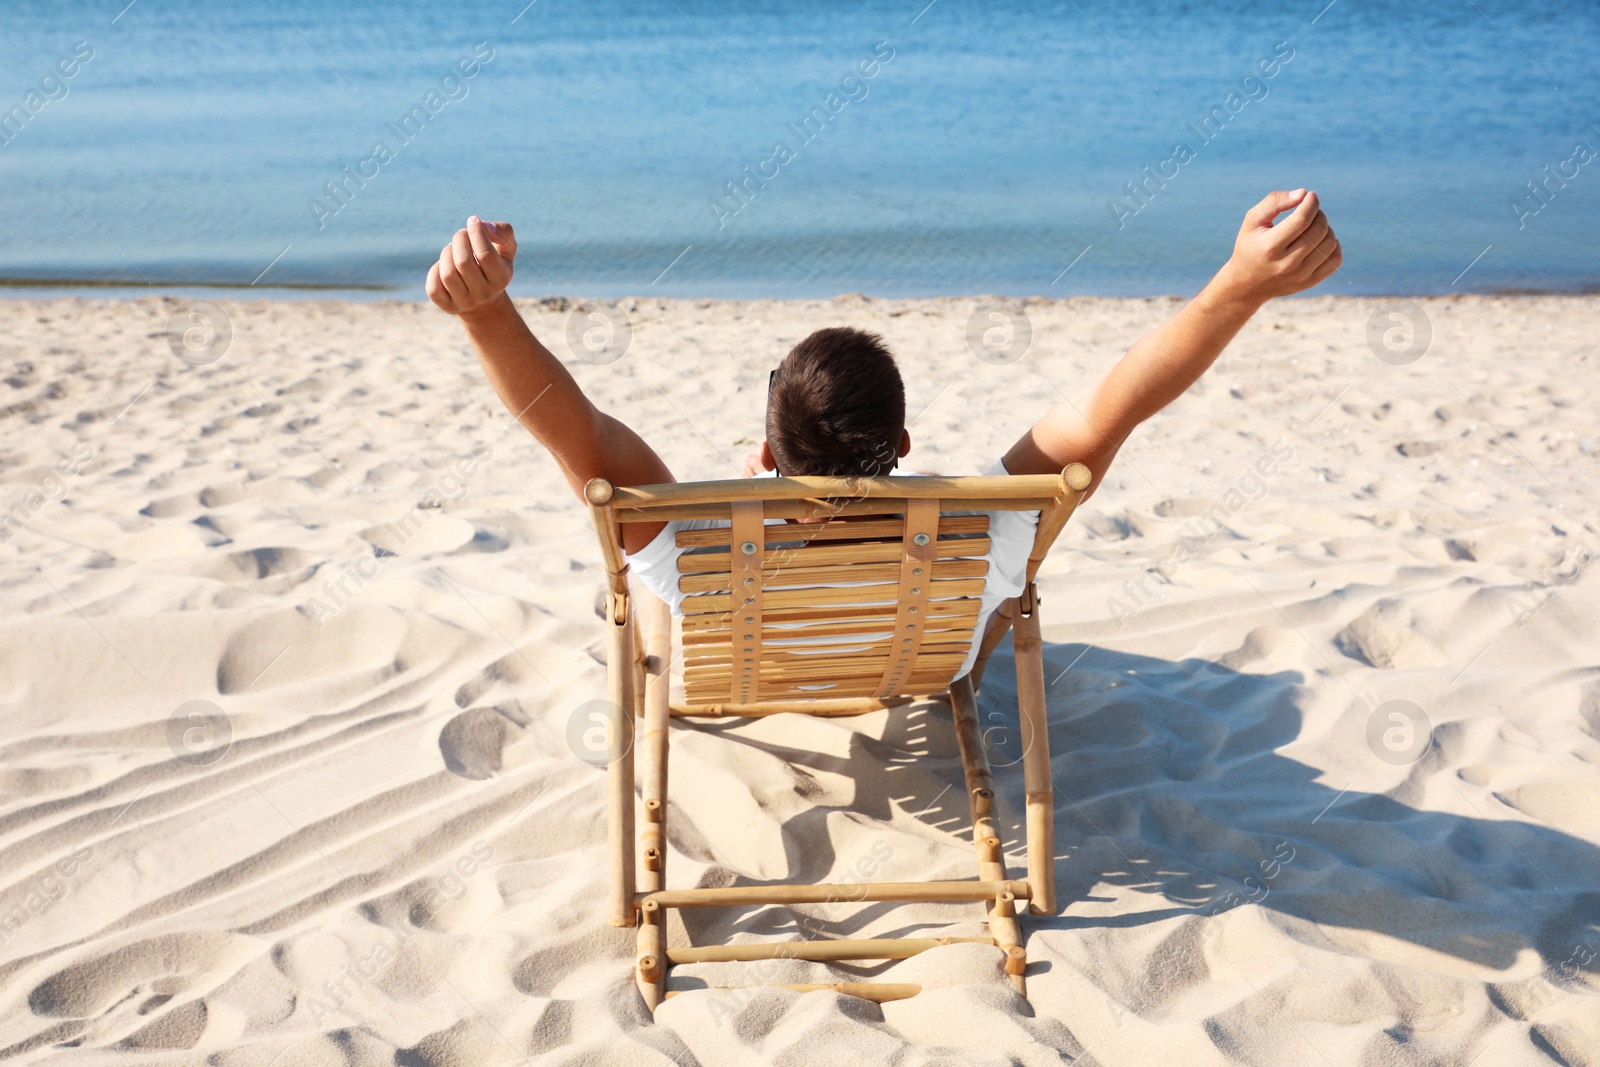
[{"x": 756, "y": 644}]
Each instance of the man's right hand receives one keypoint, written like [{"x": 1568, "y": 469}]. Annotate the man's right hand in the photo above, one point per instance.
[
  {"x": 1294, "y": 255},
  {"x": 1267, "y": 261},
  {"x": 474, "y": 268}
]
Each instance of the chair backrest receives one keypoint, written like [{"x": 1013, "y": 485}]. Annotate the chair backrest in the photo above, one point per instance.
[{"x": 873, "y": 591}]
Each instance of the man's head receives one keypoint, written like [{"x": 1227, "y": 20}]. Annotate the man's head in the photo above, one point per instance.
[{"x": 837, "y": 407}]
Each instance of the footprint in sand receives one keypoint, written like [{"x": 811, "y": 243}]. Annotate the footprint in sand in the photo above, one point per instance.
[
  {"x": 255, "y": 564},
  {"x": 125, "y": 979},
  {"x": 170, "y": 507},
  {"x": 144, "y": 994},
  {"x": 180, "y": 1028},
  {"x": 475, "y": 743},
  {"x": 1383, "y": 637}
]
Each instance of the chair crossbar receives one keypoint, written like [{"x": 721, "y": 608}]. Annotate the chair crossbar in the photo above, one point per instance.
[
  {"x": 881, "y": 992},
  {"x": 842, "y": 892},
  {"x": 880, "y": 948},
  {"x": 888, "y": 488},
  {"x": 820, "y": 509}
]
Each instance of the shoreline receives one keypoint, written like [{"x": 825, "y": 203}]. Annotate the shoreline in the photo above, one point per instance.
[
  {"x": 14, "y": 289},
  {"x": 374, "y": 295}
]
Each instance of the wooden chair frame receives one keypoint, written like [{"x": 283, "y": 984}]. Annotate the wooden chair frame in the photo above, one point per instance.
[{"x": 639, "y": 679}]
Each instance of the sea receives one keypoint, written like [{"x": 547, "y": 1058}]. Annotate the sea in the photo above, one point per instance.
[{"x": 690, "y": 148}]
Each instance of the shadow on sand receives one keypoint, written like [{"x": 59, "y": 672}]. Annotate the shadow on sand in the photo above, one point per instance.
[{"x": 1170, "y": 783}]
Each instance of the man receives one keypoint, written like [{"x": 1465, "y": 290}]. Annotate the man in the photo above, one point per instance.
[{"x": 837, "y": 404}]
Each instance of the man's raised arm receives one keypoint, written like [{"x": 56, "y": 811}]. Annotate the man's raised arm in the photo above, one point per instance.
[
  {"x": 469, "y": 281},
  {"x": 1267, "y": 261}
]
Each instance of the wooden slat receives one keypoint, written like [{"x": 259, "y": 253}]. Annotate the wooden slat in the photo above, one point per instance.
[
  {"x": 837, "y": 641},
  {"x": 800, "y": 655},
  {"x": 936, "y": 676},
  {"x": 845, "y": 644},
  {"x": 965, "y": 608},
  {"x": 809, "y": 663},
  {"x": 863, "y": 595},
  {"x": 794, "y": 687},
  {"x": 775, "y": 635},
  {"x": 854, "y": 529},
  {"x": 818, "y": 669},
  {"x": 802, "y": 690},
  {"x": 787, "y": 577},
  {"x": 777, "y": 559},
  {"x": 930, "y": 686},
  {"x": 913, "y": 688}
]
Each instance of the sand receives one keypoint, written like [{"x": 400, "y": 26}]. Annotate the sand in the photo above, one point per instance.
[{"x": 370, "y": 842}]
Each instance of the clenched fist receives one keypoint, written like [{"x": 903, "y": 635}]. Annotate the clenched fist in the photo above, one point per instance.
[
  {"x": 474, "y": 268},
  {"x": 1294, "y": 255}
]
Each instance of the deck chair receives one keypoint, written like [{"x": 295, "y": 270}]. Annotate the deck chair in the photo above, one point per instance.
[{"x": 764, "y": 638}]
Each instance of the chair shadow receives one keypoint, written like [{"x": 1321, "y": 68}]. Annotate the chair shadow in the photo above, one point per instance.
[
  {"x": 1169, "y": 783},
  {"x": 1178, "y": 762}
]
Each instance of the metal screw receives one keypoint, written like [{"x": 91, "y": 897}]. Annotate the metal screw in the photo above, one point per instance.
[
  {"x": 920, "y": 539},
  {"x": 748, "y": 548}
]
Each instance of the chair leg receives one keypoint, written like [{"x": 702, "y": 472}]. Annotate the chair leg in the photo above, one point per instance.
[
  {"x": 651, "y": 969},
  {"x": 655, "y": 636},
  {"x": 1035, "y": 755},
  {"x": 980, "y": 795},
  {"x": 619, "y": 770}
]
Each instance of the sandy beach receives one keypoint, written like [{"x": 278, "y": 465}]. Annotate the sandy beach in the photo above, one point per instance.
[{"x": 295, "y": 618}]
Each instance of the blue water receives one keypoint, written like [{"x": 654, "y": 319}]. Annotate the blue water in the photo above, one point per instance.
[{"x": 983, "y": 157}]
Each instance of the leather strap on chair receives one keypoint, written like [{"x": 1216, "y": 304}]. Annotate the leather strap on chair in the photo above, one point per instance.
[
  {"x": 918, "y": 549},
  {"x": 748, "y": 549}
]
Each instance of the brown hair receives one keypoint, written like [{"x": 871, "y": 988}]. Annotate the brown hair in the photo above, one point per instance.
[{"x": 836, "y": 406}]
